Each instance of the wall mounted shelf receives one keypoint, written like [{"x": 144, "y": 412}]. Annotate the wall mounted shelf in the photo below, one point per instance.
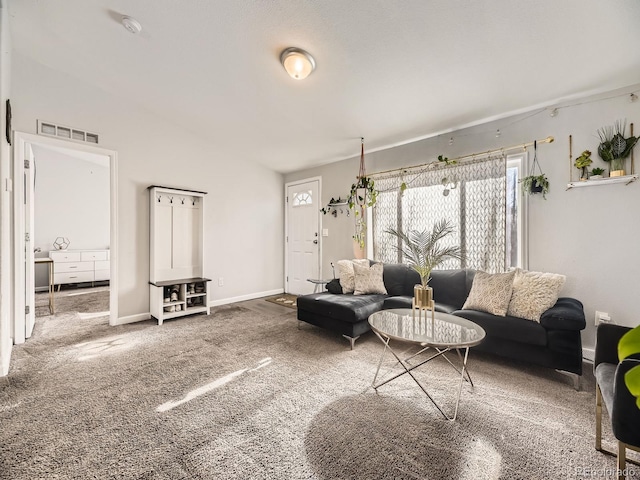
[{"x": 626, "y": 180}]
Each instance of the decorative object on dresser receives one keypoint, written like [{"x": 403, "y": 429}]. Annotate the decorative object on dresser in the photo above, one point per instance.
[
  {"x": 61, "y": 243},
  {"x": 176, "y": 263},
  {"x": 80, "y": 266}
]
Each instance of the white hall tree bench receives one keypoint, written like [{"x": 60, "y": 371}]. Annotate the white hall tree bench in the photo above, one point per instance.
[{"x": 177, "y": 286}]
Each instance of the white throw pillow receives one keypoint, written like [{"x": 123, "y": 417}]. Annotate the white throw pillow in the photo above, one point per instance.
[
  {"x": 346, "y": 274},
  {"x": 369, "y": 279},
  {"x": 534, "y": 293},
  {"x": 490, "y": 292}
]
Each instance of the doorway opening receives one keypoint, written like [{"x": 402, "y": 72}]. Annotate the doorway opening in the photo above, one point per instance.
[{"x": 65, "y": 238}]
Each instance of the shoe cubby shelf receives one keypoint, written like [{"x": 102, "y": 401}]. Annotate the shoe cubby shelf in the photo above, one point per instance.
[
  {"x": 177, "y": 286},
  {"x": 171, "y": 299}
]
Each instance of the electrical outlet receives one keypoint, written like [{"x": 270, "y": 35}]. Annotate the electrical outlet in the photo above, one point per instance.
[
  {"x": 603, "y": 317},
  {"x": 220, "y": 281},
  {"x": 325, "y": 232}
]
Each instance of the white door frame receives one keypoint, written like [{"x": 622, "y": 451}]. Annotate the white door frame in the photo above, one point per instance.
[
  {"x": 286, "y": 227},
  {"x": 20, "y": 139}
]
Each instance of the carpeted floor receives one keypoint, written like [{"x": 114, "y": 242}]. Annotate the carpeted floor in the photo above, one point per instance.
[{"x": 243, "y": 393}]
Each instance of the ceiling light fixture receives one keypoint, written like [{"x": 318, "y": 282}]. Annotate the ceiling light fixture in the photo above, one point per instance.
[
  {"x": 298, "y": 63},
  {"x": 497, "y": 133},
  {"x": 131, "y": 24},
  {"x": 554, "y": 112},
  {"x": 633, "y": 97},
  {"x": 451, "y": 141}
]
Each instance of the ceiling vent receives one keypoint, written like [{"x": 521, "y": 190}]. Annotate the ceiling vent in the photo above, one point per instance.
[{"x": 68, "y": 133}]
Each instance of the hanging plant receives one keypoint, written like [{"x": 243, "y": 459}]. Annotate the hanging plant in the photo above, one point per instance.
[
  {"x": 363, "y": 194},
  {"x": 536, "y": 184},
  {"x": 533, "y": 184},
  {"x": 614, "y": 148}
]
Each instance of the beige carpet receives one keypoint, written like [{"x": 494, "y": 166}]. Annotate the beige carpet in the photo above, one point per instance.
[
  {"x": 241, "y": 394},
  {"x": 284, "y": 299}
]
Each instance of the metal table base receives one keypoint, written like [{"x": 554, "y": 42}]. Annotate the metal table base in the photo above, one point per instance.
[{"x": 408, "y": 368}]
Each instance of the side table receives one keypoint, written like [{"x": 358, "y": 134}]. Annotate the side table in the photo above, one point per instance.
[{"x": 318, "y": 283}]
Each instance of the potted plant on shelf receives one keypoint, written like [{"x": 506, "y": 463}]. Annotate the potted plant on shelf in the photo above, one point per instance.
[
  {"x": 596, "y": 173},
  {"x": 582, "y": 162},
  {"x": 614, "y": 148},
  {"x": 423, "y": 251}
]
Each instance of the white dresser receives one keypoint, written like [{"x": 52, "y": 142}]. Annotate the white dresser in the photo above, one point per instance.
[{"x": 80, "y": 266}]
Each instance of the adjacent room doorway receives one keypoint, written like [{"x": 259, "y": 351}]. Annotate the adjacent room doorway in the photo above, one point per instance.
[
  {"x": 302, "y": 235},
  {"x": 25, "y": 178}
]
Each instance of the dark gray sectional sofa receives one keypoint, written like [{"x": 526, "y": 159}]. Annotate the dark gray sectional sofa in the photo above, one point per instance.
[{"x": 554, "y": 342}]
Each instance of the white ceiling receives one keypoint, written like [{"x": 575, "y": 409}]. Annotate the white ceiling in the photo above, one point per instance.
[{"x": 388, "y": 70}]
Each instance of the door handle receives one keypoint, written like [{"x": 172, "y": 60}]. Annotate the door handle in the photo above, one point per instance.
[{"x": 315, "y": 241}]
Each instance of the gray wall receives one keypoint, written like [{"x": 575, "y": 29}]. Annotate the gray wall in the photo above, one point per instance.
[
  {"x": 244, "y": 213},
  {"x": 588, "y": 234}
]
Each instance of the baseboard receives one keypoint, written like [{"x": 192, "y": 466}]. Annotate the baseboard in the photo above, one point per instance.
[
  {"x": 6, "y": 357},
  {"x": 588, "y": 354},
  {"x": 139, "y": 317},
  {"x": 242, "y": 298}
]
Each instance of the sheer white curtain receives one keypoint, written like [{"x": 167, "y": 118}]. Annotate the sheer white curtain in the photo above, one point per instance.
[{"x": 471, "y": 195}]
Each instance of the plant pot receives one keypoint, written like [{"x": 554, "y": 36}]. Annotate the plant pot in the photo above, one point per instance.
[
  {"x": 536, "y": 188},
  {"x": 595, "y": 177},
  {"x": 359, "y": 251},
  {"x": 617, "y": 173},
  {"x": 423, "y": 296}
]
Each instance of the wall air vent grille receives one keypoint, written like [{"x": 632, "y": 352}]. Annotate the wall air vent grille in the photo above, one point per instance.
[{"x": 69, "y": 133}]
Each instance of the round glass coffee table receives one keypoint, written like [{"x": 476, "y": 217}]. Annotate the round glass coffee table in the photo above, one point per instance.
[{"x": 441, "y": 333}]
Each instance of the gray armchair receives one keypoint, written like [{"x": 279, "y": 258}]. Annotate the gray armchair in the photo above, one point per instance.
[{"x": 610, "y": 387}]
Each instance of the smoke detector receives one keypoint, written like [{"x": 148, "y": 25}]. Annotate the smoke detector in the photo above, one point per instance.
[{"x": 131, "y": 24}]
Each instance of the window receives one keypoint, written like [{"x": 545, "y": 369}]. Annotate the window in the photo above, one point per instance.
[
  {"x": 479, "y": 198},
  {"x": 302, "y": 198}
]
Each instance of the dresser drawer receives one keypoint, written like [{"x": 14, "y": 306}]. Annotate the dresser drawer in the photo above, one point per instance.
[
  {"x": 103, "y": 275},
  {"x": 103, "y": 265},
  {"x": 63, "y": 256},
  {"x": 65, "y": 267},
  {"x": 93, "y": 256},
  {"x": 72, "y": 277}
]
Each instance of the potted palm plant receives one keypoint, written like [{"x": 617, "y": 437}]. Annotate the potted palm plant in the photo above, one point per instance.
[
  {"x": 423, "y": 251},
  {"x": 614, "y": 148}
]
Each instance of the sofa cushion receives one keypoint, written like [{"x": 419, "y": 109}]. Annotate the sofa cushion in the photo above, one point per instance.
[
  {"x": 566, "y": 314},
  {"x": 449, "y": 287},
  {"x": 347, "y": 275},
  {"x": 490, "y": 292},
  {"x": 534, "y": 293},
  {"x": 347, "y": 308},
  {"x": 399, "y": 279},
  {"x": 368, "y": 280},
  {"x": 507, "y": 328}
]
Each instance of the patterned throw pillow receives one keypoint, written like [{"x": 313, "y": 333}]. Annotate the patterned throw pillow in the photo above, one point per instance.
[
  {"x": 534, "y": 293},
  {"x": 490, "y": 292},
  {"x": 346, "y": 275},
  {"x": 368, "y": 279}
]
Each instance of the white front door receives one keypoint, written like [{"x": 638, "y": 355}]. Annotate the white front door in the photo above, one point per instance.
[{"x": 303, "y": 236}]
